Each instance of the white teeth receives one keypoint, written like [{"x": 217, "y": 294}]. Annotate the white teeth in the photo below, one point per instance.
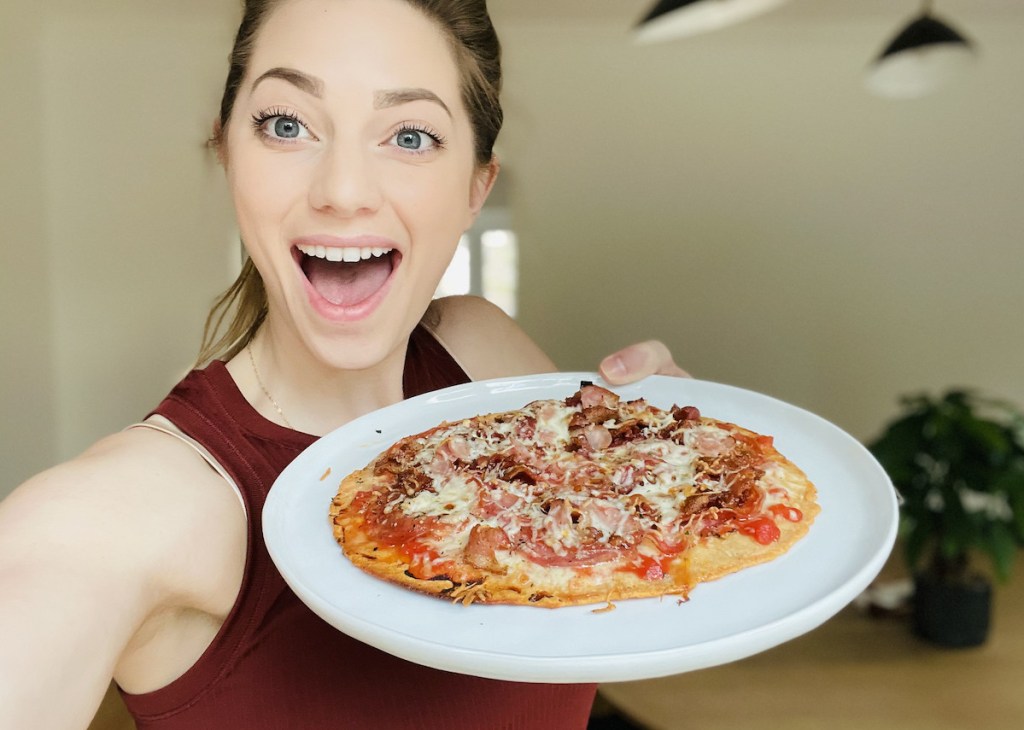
[{"x": 349, "y": 254}]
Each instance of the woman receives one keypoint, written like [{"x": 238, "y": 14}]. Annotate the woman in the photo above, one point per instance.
[{"x": 357, "y": 139}]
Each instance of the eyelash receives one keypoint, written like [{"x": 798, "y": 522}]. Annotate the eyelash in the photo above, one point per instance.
[
  {"x": 261, "y": 118},
  {"x": 440, "y": 142}
]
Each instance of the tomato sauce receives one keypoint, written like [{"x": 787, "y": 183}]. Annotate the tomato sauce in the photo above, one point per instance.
[
  {"x": 786, "y": 512},
  {"x": 762, "y": 529},
  {"x": 649, "y": 567}
]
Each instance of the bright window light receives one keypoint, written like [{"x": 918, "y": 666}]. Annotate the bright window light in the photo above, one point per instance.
[
  {"x": 500, "y": 274},
  {"x": 456, "y": 279},
  {"x": 486, "y": 263}
]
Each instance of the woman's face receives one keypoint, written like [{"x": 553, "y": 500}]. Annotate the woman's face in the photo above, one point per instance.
[{"x": 351, "y": 163}]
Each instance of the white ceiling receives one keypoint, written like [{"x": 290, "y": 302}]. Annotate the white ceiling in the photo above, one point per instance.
[{"x": 630, "y": 11}]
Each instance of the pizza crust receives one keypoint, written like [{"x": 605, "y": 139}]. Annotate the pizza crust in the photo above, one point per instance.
[{"x": 715, "y": 558}]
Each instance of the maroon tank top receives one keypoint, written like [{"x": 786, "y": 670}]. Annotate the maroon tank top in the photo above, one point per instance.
[{"x": 275, "y": 665}]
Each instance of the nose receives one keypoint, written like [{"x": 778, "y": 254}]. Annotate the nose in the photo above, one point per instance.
[{"x": 345, "y": 182}]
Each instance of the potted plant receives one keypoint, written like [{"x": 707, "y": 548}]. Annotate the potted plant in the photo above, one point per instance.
[{"x": 957, "y": 460}]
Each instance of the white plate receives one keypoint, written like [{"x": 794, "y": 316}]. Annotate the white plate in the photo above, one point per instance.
[{"x": 724, "y": 620}]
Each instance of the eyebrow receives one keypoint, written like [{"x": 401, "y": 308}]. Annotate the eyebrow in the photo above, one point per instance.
[
  {"x": 381, "y": 100},
  {"x": 304, "y": 82},
  {"x": 395, "y": 97}
]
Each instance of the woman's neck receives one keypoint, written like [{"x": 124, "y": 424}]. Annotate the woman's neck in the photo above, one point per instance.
[{"x": 289, "y": 385}]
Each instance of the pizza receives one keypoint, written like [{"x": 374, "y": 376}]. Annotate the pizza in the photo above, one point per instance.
[{"x": 581, "y": 500}]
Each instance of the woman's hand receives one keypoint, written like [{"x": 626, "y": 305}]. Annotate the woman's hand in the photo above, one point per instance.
[{"x": 638, "y": 361}]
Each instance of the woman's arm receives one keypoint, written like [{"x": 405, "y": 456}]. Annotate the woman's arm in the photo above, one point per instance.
[
  {"x": 489, "y": 344},
  {"x": 94, "y": 554},
  {"x": 485, "y": 341}
]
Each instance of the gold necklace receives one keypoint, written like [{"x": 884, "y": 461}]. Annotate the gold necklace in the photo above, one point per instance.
[{"x": 266, "y": 392}]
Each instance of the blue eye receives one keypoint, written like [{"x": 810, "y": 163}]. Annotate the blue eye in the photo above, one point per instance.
[
  {"x": 286, "y": 128},
  {"x": 410, "y": 139},
  {"x": 278, "y": 125},
  {"x": 417, "y": 140}
]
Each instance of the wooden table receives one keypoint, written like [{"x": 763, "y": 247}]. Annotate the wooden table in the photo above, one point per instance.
[{"x": 855, "y": 671}]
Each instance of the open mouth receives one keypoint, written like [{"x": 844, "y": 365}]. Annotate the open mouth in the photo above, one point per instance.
[{"x": 347, "y": 276}]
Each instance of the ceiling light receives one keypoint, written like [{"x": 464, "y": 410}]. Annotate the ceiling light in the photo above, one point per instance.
[
  {"x": 922, "y": 57},
  {"x": 671, "y": 19}
]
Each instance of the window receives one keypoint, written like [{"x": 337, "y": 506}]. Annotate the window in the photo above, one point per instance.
[{"x": 486, "y": 263}]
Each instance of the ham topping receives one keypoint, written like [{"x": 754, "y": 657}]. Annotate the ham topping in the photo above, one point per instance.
[{"x": 604, "y": 494}]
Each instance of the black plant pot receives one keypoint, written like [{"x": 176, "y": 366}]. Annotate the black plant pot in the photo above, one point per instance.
[{"x": 952, "y": 613}]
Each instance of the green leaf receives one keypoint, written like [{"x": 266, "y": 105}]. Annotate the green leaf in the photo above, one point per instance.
[
  {"x": 958, "y": 530},
  {"x": 898, "y": 446},
  {"x": 941, "y": 446},
  {"x": 1010, "y": 480},
  {"x": 916, "y": 540},
  {"x": 1002, "y": 548},
  {"x": 1016, "y": 499}
]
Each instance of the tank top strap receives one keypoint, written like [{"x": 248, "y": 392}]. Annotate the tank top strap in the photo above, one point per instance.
[{"x": 429, "y": 366}]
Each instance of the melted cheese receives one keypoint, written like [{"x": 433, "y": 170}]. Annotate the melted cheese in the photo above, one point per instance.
[
  {"x": 553, "y": 424},
  {"x": 453, "y": 501},
  {"x": 603, "y": 493}
]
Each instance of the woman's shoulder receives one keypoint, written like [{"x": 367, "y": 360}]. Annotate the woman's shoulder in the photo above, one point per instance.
[
  {"x": 132, "y": 466},
  {"x": 138, "y": 499},
  {"x": 486, "y": 341}
]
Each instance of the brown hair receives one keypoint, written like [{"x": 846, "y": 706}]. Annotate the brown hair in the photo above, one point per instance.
[{"x": 477, "y": 53}]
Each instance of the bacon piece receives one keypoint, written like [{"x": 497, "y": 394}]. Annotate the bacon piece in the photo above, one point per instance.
[
  {"x": 507, "y": 466},
  {"x": 685, "y": 413},
  {"x": 520, "y": 473},
  {"x": 744, "y": 490},
  {"x": 700, "y": 503},
  {"x": 483, "y": 542},
  {"x": 594, "y": 414},
  {"x": 412, "y": 483},
  {"x": 629, "y": 431}
]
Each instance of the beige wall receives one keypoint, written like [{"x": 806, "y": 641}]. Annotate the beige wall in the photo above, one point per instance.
[
  {"x": 139, "y": 227},
  {"x": 737, "y": 195},
  {"x": 116, "y": 227},
  {"x": 28, "y": 422},
  {"x": 740, "y": 196}
]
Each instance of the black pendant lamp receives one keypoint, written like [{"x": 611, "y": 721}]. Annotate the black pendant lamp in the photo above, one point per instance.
[
  {"x": 922, "y": 57},
  {"x": 670, "y": 19}
]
